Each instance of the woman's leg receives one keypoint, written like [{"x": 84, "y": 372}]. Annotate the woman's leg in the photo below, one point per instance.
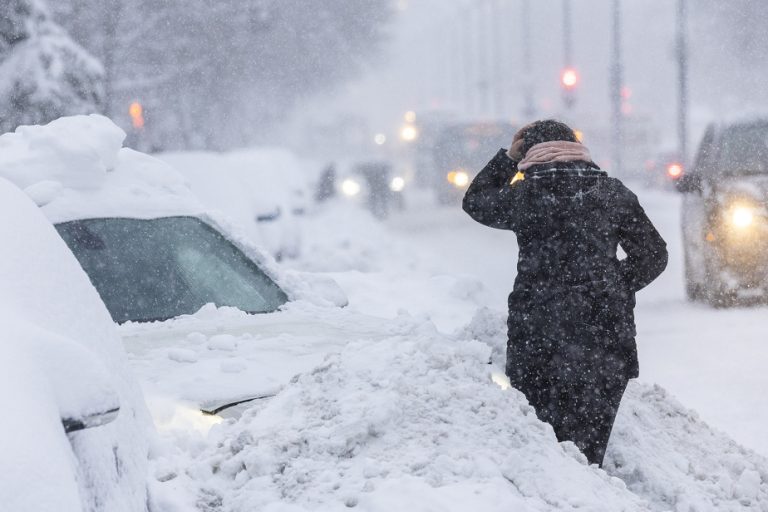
[{"x": 589, "y": 410}]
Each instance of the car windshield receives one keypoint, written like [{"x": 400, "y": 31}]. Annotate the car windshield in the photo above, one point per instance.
[
  {"x": 161, "y": 268},
  {"x": 744, "y": 150}
]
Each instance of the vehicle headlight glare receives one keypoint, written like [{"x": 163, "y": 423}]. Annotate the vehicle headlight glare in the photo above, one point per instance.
[
  {"x": 350, "y": 187},
  {"x": 397, "y": 184},
  {"x": 461, "y": 179},
  {"x": 742, "y": 217}
]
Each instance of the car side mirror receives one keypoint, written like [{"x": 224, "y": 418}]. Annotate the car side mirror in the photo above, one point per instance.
[
  {"x": 89, "y": 420},
  {"x": 317, "y": 289},
  {"x": 80, "y": 382},
  {"x": 689, "y": 183}
]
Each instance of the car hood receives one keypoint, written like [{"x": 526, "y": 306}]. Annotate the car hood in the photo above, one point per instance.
[{"x": 221, "y": 356}]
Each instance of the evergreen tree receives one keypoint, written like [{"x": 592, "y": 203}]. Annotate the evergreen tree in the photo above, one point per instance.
[{"x": 43, "y": 73}]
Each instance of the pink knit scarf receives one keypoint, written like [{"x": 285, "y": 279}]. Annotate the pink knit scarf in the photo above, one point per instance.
[{"x": 555, "y": 151}]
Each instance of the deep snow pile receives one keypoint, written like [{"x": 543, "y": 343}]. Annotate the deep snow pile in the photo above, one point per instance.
[
  {"x": 660, "y": 449},
  {"x": 410, "y": 423}
]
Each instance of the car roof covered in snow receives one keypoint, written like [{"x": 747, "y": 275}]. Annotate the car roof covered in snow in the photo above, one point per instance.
[{"x": 76, "y": 167}]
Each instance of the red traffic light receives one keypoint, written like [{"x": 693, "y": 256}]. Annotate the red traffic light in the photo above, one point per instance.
[
  {"x": 675, "y": 170},
  {"x": 569, "y": 78}
]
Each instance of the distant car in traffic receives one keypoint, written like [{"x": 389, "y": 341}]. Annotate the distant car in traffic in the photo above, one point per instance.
[
  {"x": 664, "y": 170},
  {"x": 725, "y": 215},
  {"x": 374, "y": 183},
  {"x": 459, "y": 152}
]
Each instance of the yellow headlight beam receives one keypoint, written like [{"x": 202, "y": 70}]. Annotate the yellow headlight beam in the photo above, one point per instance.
[
  {"x": 742, "y": 217},
  {"x": 461, "y": 180}
]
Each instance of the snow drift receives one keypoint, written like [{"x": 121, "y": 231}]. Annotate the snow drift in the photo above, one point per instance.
[{"x": 414, "y": 422}]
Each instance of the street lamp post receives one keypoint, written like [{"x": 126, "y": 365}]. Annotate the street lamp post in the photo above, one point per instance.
[
  {"x": 569, "y": 76},
  {"x": 682, "y": 63},
  {"x": 615, "y": 88},
  {"x": 529, "y": 109}
]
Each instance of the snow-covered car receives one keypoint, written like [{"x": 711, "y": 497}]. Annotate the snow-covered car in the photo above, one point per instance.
[
  {"x": 725, "y": 215},
  {"x": 75, "y": 428},
  {"x": 262, "y": 189},
  {"x": 161, "y": 263}
]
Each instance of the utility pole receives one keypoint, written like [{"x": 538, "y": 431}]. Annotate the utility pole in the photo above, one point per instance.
[
  {"x": 569, "y": 81},
  {"x": 467, "y": 59},
  {"x": 483, "y": 59},
  {"x": 682, "y": 63},
  {"x": 529, "y": 109},
  {"x": 498, "y": 110},
  {"x": 567, "y": 34},
  {"x": 616, "y": 82}
]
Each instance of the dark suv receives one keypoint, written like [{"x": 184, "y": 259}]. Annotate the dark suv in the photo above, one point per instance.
[{"x": 725, "y": 215}]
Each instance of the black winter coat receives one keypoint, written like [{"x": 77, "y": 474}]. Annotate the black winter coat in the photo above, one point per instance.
[{"x": 573, "y": 299}]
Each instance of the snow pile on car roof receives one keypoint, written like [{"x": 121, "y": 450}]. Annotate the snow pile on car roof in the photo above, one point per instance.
[{"x": 76, "y": 167}]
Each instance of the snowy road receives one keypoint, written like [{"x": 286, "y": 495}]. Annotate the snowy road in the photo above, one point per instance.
[{"x": 438, "y": 262}]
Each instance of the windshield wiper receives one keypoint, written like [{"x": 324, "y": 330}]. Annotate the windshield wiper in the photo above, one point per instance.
[{"x": 217, "y": 410}]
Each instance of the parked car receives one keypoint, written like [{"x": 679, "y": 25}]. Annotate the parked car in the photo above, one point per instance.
[
  {"x": 74, "y": 434},
  {"x": 262, "y": 189},
  {"x": 725, "y": 215},
  {"x": 209, "y": 320}
]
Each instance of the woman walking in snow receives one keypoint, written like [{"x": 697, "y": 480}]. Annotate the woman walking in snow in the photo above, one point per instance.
[{"x": 571, "y": 333}]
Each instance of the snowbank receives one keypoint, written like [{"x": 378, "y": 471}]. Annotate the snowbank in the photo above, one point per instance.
[
  {"x": 660, "y": 449},
  {"x": 75, "y": 167},
  {"x": 409, "y": 423}
]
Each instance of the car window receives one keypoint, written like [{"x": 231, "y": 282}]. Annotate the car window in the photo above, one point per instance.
[
  {"x": 158, "y": 269},
  {"x": 706, "y": 156},
  {"x": 744, "y": 150}
]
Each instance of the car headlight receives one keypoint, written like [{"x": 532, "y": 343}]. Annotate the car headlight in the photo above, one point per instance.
[
  {"x": 397, "y": 184},
  {"x": 458, "y": 179},
  {"x": 350, "y": 187},
  {"x": 742, "y": 216}
]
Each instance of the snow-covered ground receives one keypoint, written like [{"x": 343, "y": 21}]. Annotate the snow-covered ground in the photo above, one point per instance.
[{"x": 411, "y": 421}]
